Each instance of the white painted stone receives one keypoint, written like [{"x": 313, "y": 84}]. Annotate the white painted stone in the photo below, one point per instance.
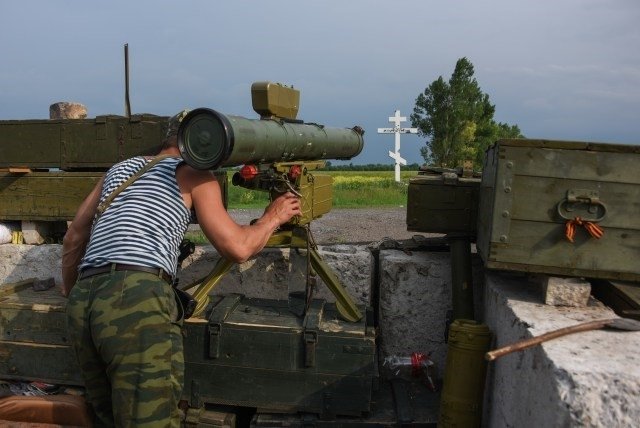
[
  {"x": 589, "y": 379},
  {"x": 267, "y": 275},
  {"x": 6, "y": 231}
]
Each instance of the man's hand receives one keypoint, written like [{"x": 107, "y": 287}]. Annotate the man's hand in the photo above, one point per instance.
[
  {"x": 235, "y": 242},
  {"x": 283, "y": 209}
]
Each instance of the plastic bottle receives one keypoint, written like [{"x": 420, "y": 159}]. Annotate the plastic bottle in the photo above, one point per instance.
[{"x": 413, "y": 367}]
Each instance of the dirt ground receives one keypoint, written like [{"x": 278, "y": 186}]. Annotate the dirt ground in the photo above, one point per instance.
[{"x": 352, "y": 226}]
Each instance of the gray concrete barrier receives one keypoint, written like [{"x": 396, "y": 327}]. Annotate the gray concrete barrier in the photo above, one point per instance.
[{"x": 588, "y": 379}]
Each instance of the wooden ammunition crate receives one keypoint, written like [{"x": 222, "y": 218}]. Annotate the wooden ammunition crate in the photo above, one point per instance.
[
  {"x": 531, "y": 189},
  {"x": 54, "y": 196},
  {"x": 247, "y": 352},
  {"x": 33, "y": 336},
  {"x": 73, "y": 144},
  {"x": 47, "y": 196},
  {"x": 443, "y": 203},
  {"x": 255, "y": 353}
]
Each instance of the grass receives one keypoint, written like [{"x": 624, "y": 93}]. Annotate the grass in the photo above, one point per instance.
[{"x": 351, "y": 189}]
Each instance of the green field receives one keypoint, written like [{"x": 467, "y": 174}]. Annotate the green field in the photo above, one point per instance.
[{"x": 351, "y": 189}]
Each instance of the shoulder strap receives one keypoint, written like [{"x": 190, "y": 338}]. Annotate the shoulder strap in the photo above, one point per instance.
[{"x": 105, "y": 204}]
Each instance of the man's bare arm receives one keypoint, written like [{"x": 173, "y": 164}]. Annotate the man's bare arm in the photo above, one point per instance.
[
  {"x": 76, "y": 239},
  {"x": 236, "y": 242}
]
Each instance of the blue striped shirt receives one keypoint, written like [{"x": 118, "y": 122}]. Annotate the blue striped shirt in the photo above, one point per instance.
[{"x": 145, "y": 224}]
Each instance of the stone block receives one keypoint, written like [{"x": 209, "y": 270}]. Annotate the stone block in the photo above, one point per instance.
[
  {"x": 67, "y": 110},
  {"x": 274, "y": 272},
  {"x": 20, "y": 262},
  {"x": 558, "y": 291},
  {"x": 35, "y": 232},
  {"x": 589, "y": 379},
  {"x": 415, "y": 295}
]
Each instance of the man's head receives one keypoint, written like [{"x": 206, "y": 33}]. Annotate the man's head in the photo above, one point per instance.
[{"x": 170, "y": 138}]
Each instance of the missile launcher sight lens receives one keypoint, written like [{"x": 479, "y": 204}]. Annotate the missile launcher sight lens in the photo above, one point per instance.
[{"x": 205, "y": 138}]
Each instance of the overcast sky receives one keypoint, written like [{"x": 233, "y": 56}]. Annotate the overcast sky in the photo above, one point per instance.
[{"x": 566, "y": 69}]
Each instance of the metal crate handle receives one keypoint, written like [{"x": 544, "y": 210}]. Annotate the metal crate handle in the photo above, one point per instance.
[{"x": 582, "y": 203}]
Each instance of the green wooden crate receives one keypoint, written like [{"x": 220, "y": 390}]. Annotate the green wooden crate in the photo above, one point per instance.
[
  {"x": 44, "y": 196},
  {"x": 248, "y": 352},
  {"x": 531, "y": 188},
  {"x": 87, "y": 144},
  {"x": 255, "y": 353},
  {"x": 33, "y": 336},
  {"x": 54, "y": 196},
  {"x": 442, "y": 203}
]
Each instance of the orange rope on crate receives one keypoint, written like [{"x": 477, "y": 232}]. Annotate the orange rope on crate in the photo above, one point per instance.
[{"x": 593, "y": 229}]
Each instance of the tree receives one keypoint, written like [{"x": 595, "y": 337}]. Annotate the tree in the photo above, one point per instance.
[{"x": 457, "y": 117}]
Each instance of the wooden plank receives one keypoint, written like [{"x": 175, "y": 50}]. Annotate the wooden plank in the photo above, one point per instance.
[
  {"x": 573, "y": 164},
  {"x": 10, "y": 288},
  {"x": 281, "y": 391},
  {"x": 39, "y": 362},
  {"x": 49, "y": 196},
  {"x": 537, "y": 198},
  {"x": 32, "y": 316},
  {"x": 543, "y": 247},
  {"x": 34, "y": 325},
  {"x": 571, "y": 145}
]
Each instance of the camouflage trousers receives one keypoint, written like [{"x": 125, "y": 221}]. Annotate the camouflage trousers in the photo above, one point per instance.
[{"x": 128, "y": 340}]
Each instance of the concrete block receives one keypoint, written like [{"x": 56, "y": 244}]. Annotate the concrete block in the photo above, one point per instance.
[
  {"x": 589, "y": 379},
  {"x": 268, "y": 275},
  {"x": 35, "y": 232},
  {"x": 415, "y": 294},
  {"x": 559, "y": 291},
  {"x": 20, "y": 262},
  {"x": 275, "y": 272}
]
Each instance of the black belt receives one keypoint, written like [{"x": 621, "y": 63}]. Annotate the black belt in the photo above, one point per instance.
[{"x": 160, "y": 273}]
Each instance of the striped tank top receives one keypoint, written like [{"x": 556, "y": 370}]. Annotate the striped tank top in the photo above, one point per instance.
[{"x": 145, "y": 224}]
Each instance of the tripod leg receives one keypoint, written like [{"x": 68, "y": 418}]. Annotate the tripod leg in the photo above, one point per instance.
[
  {"x": 202, "y": 293},
  {"x": 345, "y": 305}
]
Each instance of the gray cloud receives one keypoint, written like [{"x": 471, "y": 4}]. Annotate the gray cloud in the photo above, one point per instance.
[{"x": 567, "y": 70}]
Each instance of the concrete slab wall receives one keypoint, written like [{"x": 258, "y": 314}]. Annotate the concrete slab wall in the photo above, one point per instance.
[
  {"x": 269, "y": 275},
  {"x": 274, "y": 272},
  {"x": 415, "y": 295},
  {"x": 589, "y": 379}
]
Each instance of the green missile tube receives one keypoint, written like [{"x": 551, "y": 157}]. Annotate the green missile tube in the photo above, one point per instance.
[{"x": 208, "y": 139}]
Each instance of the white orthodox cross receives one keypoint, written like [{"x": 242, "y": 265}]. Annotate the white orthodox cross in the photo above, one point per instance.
[{"x": 397, "y": 130}]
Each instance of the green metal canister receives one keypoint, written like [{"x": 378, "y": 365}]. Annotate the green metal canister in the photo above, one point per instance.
[{"x": 464, "y": 378}]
